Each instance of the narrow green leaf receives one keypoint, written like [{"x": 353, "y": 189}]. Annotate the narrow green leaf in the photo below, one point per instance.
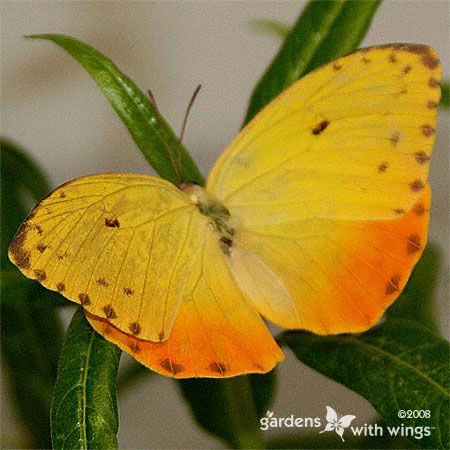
[
  {"x": 417, "y": 300},
  {"x": 324, "y": 31},
  {"x": 20, "y": 177},
  {"x": 270, "y": 27},
  {"x": 150, "y": 131},
  {"x": 16, "y": 165},
  {"x": 445, "y": 95},
  {"x": 31, "y": 328},
  {"x": 31, "y": 337},
  {"x": 230, "y": 408},
  {"x": 264, "y": 389},
  {"x": 346, "y": 33},
  {"x": 84, "y": 407},
  {"x": 399, "y": 365}
]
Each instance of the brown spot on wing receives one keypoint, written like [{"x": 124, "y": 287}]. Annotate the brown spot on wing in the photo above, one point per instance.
[
  {"x": 84, "y": 299},
  {"x": 416, "y": 185},
  {"x": 41, "y": 248},
  {"x": 171, "y": 366},
  {"x": 414, "y": 244},
  {"x": 135, "y": 347},
  {"x": 218, "y": 367},
  {"x": 112, "y": 223},
  {"x": 421, "y": 157},
  {"x": 399, "y": 211},
  {"x": 406, "y": 69},
  {"x": 430, "y": 61},
  {"x": 433, "y": 82},
  {"x": 419, "y": 209},
  {"x": 393, "y": 285},
  {"x": 22, "y": 257},
  {"x": 135, "y": 328},
  {"x": 320, "y": 127},
  {"x": 102, "y": 282},
  {"x": 382, "y": 167},
  {"x": 161, "y": 336},
  {"x": 128, "y": 291},
  {"x": 365, "y": 60},
  {"x": 431, "y": 104},
  {"x": 109, "y": 312},
  {"x": 38, "y": 229},
  {"x": 62, "y": 194},
  {"x": 40, "y": 274},
  {"x": 392, "y": 58},
  {"x": 427, "y": 130},
  {"x": 60, "y": 287}
]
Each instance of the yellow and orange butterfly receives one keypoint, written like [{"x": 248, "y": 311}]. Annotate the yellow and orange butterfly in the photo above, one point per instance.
[{"x": 313, "y": 217}]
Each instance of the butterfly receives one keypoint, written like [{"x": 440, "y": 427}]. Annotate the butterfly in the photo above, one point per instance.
[
  {"x": 338, "y": 424},
  {"x": 312, "y": 218}
]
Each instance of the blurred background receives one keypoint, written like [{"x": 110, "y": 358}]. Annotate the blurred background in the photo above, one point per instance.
[{"x": 53, "y": 109}]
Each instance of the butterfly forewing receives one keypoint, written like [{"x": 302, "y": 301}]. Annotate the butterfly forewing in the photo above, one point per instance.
[
  {"x": 118, "y": 244},
  {"x": 351, "y": 140}
]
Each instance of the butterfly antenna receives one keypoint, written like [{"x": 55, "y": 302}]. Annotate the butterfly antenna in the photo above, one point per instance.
[
  {"x": 175, "y": 163},
  {"x": 188, "y": 110}
]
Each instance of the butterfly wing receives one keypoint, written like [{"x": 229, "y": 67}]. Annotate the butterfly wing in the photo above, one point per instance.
[
  {"x": 351, "y": 140},
  {"x": 217, "y": 332},
  {"x": 320, "y": 183},
  {"x": 340, "y": 275},
  {"x": 117, "y": 244}
]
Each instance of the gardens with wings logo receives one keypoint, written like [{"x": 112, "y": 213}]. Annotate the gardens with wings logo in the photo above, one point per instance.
[{"x": 337, "y": 423}]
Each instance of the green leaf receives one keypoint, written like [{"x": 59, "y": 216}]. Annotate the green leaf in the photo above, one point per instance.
[
  {"x": 398, "y": 365},
  {"x": 84, "y": 407},
  {"x": 31, "y": 337},
  {"x": 417, "y": 300},
  {"x": 324, "y": 31},
  {"x": 445, "y": 94},
  {"x": 230, "y": 408},
  {"x": 270, "y": 27},
  {"x": 263, "y": 389},
  {"x": 150, "y": 131},
  {"x": 20, "y": 177},
  {"x": 31, "y": 328}
]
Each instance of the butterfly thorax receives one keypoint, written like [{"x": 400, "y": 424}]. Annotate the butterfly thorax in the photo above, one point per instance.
[{"x": 218, "y": 215}]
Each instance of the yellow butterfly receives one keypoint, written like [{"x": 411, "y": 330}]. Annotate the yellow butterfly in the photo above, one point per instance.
[{"x": 313, "y": 217}]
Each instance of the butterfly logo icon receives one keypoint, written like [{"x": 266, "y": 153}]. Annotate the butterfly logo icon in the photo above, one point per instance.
[{"x": 337, "y": 423}]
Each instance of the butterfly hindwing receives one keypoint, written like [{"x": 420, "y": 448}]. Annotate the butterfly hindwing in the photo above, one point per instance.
[
  {"x": 217, "y": 333},
  {"x": 340, "y": 275}
]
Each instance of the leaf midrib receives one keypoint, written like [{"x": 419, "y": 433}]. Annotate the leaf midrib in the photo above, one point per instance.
[{"x": 83, "y": 384}]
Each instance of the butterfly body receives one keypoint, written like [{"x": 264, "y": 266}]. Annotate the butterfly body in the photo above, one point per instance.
[{"x": 313, "y": 218}]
